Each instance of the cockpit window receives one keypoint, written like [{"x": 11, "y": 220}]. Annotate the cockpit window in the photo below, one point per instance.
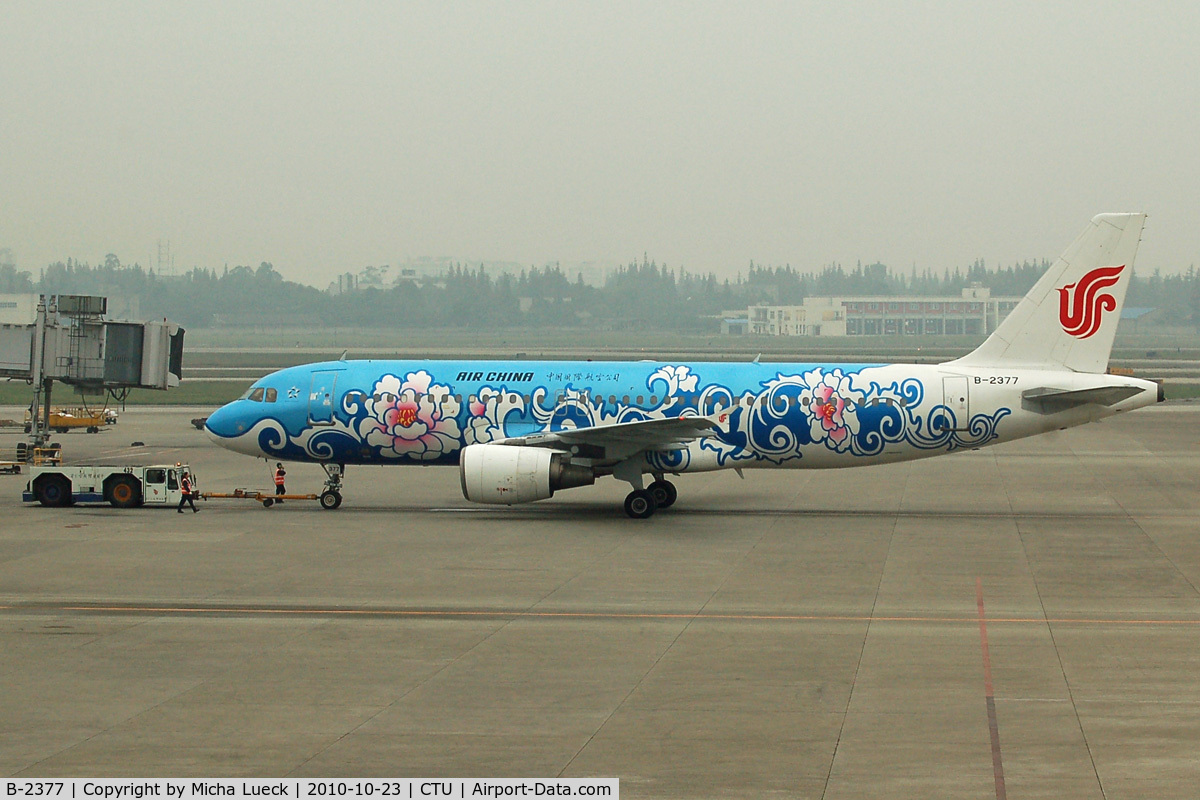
[
  {"x": 246, "y": 394},
  {"x": 257, "y": 395},
  {"x": 272, "y": 395}
]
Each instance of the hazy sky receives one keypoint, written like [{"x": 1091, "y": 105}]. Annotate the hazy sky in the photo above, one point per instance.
[{"x": 327, "y": 137}]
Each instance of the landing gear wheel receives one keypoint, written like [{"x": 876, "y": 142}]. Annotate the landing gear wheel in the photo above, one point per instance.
[
  {"x": 124, "y": 493},
  {"x": 330, "y": 500},
  {"x": 268, "y": 502},
  {"x": 664, "y": 493},
  {"x": 54, "y": 492},
  {"x": 640, "y": 504}
]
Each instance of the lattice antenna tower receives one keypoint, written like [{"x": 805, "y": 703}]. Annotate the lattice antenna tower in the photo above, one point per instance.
[{"x": 165, "y": 259}]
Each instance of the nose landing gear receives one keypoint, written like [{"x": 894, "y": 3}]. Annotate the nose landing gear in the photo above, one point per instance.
[{"x": 331, "y": 498}]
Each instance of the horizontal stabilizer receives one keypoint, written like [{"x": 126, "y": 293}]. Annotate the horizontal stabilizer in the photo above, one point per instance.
[{"x": 1048, "y": 400}]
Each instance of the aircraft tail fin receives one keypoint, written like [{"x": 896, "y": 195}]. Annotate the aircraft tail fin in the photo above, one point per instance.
[{"x": 1069, "y": 318}]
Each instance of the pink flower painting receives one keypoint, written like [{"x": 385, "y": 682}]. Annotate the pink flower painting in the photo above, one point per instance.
[
  {"x": 411, "y": 417},
  {"x": 832, "y": 411}
]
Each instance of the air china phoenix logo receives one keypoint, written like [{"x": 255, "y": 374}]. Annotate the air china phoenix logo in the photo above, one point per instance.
[{"x": 1081, "y": 305}]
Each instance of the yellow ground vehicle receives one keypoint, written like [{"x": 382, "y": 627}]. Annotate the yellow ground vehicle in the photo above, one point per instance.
[{"x": 68, "y": 419}]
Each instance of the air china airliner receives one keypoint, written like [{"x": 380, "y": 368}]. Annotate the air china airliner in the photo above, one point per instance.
[{"x": 521, "y": 431}]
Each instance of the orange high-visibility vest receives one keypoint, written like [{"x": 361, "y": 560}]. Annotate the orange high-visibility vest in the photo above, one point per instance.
[{"x": 279, "y": 477}]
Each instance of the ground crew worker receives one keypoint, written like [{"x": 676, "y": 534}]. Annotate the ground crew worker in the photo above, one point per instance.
[
  {"x": 185, "y": 493},
  {"x": 280, "y": 475}
]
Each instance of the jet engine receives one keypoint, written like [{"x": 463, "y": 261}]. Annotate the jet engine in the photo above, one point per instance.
[{"x": 508, "y": 474}]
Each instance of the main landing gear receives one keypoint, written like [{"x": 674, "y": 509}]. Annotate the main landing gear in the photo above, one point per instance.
[
  {"x": 331, "y": 498},
  {"x": 642, "y": 503}
]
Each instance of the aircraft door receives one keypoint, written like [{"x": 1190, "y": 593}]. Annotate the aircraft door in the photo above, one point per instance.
[
  {"x": 320, "y": 398},
  {"x": 957, "y": 399},
  {"x": 561, "y": 407},
  {"x": 565, "y": 405}
]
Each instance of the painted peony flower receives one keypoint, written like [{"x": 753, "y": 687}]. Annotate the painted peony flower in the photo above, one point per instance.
[
  {"x": 413, "y": 418},
  {"x": 832, "y": 412}
]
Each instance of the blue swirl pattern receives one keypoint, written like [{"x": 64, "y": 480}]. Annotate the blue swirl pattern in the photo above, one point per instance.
[{"x": 830, "y": 408}]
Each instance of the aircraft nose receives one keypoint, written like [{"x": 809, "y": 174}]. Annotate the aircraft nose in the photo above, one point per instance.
[{"x": 225, "y": 423}]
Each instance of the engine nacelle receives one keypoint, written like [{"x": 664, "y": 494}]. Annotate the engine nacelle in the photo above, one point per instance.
[{"x": 506, "y": 474}]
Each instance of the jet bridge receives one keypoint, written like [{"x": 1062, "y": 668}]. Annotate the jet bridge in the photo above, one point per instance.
[{"x": 71, "y": 342}]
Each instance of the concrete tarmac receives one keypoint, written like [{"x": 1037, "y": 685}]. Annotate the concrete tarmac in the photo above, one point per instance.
[{"x": 1019, "y": 621}]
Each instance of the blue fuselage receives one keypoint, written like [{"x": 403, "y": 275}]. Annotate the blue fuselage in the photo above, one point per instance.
[{"x": 792, "y": 415}]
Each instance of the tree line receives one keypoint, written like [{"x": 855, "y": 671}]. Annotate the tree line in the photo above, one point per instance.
[{"x": 641, "y": 295}]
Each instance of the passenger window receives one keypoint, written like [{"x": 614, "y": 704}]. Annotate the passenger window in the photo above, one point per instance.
[
  {"x": 653, "y": 399},
  {"x": 257, "y": 395},
  {"x": 156, "y": 476},
  {"x": 625, "y": 399},
  {"x": 172, "y": 480},
  {"x": 639, "y": 402},
  {"x": 272, "y": 395}
]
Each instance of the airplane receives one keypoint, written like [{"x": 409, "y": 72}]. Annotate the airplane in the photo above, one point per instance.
[{"x": 519, "y": 431}]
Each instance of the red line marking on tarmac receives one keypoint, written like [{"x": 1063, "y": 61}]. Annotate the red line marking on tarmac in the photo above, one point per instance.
[
  {"x": 989, "y": 696},
  {"x": 615, "y": 615}
]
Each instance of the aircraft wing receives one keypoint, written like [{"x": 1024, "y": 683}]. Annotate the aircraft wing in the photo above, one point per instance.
[
  {"x": 621, "y": 440},
  {"x": 1050, "y": 399}
]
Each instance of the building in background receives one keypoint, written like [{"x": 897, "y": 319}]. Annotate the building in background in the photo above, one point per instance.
[{"x": 975, "y": 313}]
